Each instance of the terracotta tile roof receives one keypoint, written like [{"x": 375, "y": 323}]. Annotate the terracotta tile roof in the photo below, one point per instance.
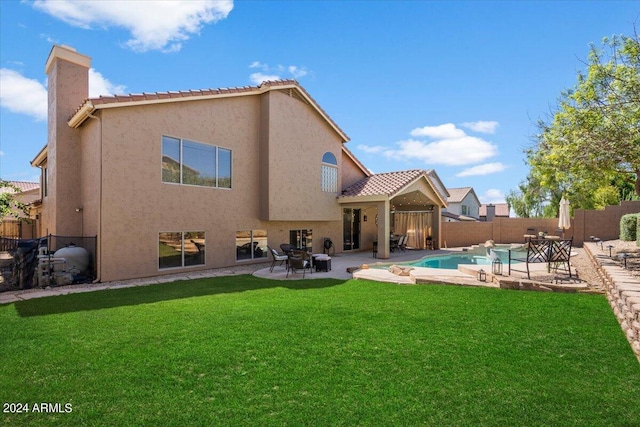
[
  {"x": 21, "y": 185},
  {"x": 265, "y": 86},
  {"x": 383, "y": 183}
]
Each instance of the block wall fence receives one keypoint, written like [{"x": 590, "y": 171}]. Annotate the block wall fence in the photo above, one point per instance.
[{"x": 604, "y": 224}]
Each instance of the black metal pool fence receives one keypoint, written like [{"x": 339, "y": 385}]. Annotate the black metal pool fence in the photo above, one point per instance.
[{"x": 47, "y": 261}]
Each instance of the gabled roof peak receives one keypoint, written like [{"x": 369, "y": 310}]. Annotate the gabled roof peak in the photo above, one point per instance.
[{"x": 114, "y": 101}]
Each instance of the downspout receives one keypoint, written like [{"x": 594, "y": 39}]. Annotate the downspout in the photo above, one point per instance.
[{"x": 99, "y": 237}]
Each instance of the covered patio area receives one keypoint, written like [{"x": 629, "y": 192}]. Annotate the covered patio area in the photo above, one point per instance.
[{"x": 381, "y": 208}]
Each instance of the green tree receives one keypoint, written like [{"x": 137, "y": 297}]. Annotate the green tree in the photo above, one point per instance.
[
  {"x": 592, "y": 140},
  {"x": 9, "y": 205}
]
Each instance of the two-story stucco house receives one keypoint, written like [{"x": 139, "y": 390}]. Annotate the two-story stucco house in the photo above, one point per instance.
[
  {"x": 182, "y": 181},
  {"x": 463, "y": 204}
]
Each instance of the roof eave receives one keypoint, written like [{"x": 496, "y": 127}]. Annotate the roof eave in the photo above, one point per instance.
[
  {"x": 40, "y": 158},
  {"x": 425, "y": 175},
  {"x": 355, "y": 160},
  {"x": 363, "y": 199},
  {"x": 81, "y": 115}
]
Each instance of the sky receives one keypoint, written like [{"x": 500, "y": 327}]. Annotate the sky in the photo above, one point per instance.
[{"x": 454, "y": 86}]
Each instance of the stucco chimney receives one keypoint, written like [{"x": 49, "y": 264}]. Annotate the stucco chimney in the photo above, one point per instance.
[
  {"x": 68, "y": 87},
  {"x": 491, "y": 212}
]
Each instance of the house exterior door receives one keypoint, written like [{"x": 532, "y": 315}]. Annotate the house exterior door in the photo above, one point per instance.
[{"x": 351, "y": 229}]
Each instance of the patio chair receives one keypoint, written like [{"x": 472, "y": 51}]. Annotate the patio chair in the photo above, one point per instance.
[
  {"x": 277, "y": 257},
  {"x": 299, "y": 260},
  {"x": 287, "y": 248},
  {"x": 393, "y": 244},
  {"x": 402, "y": 243},
  {"x": 537, "y": 252},
  {"x": 560, "y": 255}
]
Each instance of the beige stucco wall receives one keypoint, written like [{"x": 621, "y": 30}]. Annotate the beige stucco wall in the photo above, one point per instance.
[
  {"x": 351, "y": 173},
  {"x": 67, "y": 87},
  {"x": 298, "y": 137},
  {"x": 135, "y": 205}
]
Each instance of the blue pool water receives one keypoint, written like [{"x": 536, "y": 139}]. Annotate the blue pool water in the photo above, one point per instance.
[{"x": 452, "y": 261}]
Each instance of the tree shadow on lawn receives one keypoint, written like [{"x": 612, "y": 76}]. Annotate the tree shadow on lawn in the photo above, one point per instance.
[{"x": 147, "y": 294}]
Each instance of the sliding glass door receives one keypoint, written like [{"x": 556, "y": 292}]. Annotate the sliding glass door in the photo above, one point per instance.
[{"x": 350, "y": 229}]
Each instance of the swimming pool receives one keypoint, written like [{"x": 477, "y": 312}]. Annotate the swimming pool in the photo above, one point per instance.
[{"x": 452, "y": 261}]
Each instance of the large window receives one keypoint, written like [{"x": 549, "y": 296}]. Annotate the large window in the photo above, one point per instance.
[
  {"x": 180, "y": 249},
  {"x": 195, "y": 163},
  {"x": 329, "y": 180},
  {"x": 301, "y": 239},
  {"x": 251, "y": 244}
]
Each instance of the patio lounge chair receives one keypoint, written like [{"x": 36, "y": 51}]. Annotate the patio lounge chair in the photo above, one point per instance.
[{"x": 277, "y": 257}]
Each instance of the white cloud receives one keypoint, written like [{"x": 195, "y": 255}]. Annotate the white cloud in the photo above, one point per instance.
[
  {"x": 451, "y": 152},
  {"x": 98, "y": 85},
  {"x": 485, "y": 169},
  {"x": 445, "y": 131},
  {"x": 258, "y": 78},
  {"x": 22, "y": 95},
  {"x": 154, "y": 25},
  {"x": 297, "y": 72},
  {"x": 275, "y": 73},
  {"x": 1, "y": 153},
  {"x": 446, "y": 144},
  {"x": 482, "y": 126},
  {"x": 371, "y": 150},
  {"x": 493, "y": 195}
]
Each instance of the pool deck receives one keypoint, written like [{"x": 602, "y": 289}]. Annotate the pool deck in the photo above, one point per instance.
[
  {"x": 361, "y": 265},
  {"x": 344, "y": 266}
]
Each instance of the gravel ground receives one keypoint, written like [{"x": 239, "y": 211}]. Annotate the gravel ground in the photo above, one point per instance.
[
  {"x": 586, "y": 269},
  {"x": 622, "y": 247}
]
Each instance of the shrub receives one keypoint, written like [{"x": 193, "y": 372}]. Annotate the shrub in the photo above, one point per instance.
[
  {"x": 638, "y": 232},
  {"x": 629, "y": 227}
]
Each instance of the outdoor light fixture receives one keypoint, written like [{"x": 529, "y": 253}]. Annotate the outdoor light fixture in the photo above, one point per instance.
[
  {"x": 496, "y": 267},
  {"x": 624, "y": 257},
  {"x": 610, "y": 247},
  {"x": 482, "y": 276},
  {"x": 364, "y": 218}
]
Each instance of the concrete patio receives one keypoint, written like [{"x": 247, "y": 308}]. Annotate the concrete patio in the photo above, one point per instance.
[{"x": 342, "y": 266}]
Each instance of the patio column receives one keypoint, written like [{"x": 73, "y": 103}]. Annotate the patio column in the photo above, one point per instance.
[{"x": 384, "y": 228}]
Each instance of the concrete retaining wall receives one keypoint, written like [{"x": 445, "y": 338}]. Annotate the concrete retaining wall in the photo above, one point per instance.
[{"x": 623, "y": 292}]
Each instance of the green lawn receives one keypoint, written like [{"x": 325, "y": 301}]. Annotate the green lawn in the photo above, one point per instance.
[{"x": 240, "y": 351}]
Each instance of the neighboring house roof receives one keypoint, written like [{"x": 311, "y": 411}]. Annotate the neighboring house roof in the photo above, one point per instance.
[
  {"x": 389, "y": 184},
  {"x": 22, "y": 186},
  {"x": 291, "y": 86},
  {"x": 502, "y": 209},
  {"x": 27, "y": 193},
  {"x": 456, "y": 217},
  {"x": 457, "y": 195}
]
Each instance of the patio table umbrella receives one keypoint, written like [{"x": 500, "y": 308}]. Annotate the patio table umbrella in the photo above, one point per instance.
[{"x": 564, "y": 220}]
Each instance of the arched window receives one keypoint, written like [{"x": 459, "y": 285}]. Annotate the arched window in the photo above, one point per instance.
[{"x": 329, "y": 181}]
